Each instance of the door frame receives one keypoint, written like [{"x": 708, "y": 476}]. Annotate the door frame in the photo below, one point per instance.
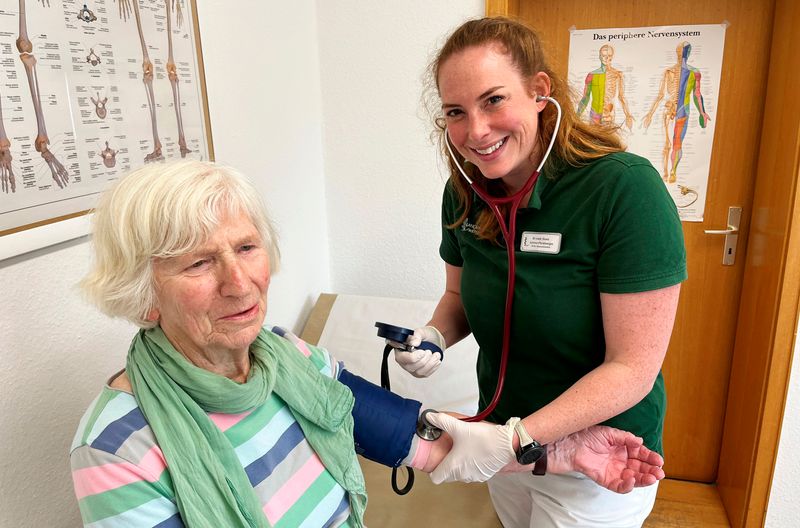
[{"x": 768, "y": 308}]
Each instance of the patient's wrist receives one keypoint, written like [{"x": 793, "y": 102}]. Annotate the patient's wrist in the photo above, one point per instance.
[
  {"x": 426, "y": 455},
  {"x": 561, "y": 455},
  {"x": 419, "y": 453}
]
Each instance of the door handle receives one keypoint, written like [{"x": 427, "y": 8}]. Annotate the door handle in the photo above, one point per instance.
[
  {"x": 731, "y": 235},
  {"x": 731, "y": 230}
]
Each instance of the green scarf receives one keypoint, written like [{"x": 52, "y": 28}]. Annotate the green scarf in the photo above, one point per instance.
[{"x": 210, "y": 484}]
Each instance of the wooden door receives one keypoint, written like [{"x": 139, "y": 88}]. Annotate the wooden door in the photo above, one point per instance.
[{"x": 698, "y": 363}]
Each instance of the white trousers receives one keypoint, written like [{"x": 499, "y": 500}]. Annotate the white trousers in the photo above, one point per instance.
[{"x": 572, "y": 500}]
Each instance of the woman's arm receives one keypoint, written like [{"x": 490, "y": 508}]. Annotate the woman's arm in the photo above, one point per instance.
[
  {"x": 615, "y": 459},
  {"x": 449, "y": 317},
  {"x": 113, "y": 491},
  {"x": 637, "y": 330}
]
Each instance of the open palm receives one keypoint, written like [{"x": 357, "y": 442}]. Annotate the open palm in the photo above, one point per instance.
[{"x": 615, "y": 459}]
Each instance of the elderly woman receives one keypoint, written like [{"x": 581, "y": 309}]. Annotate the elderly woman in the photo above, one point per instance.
[{"x": 217, "y": 421}]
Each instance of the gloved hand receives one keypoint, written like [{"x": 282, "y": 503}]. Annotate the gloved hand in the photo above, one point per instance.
[
  {"x": 480, "y": 449},
  {"x": 420, "y": 362}
]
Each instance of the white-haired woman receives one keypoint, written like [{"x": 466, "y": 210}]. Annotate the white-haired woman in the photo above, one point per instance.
[{"x": 216, "y": 421}]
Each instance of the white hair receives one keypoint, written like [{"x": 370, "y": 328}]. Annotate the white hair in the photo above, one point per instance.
[{"x": 161, "y": 211}]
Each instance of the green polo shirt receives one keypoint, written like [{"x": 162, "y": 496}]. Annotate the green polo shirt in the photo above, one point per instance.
[{"x": 611, "y": 227}]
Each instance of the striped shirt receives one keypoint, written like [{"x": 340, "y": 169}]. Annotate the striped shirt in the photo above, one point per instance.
[{"x": 121, "y": 478}]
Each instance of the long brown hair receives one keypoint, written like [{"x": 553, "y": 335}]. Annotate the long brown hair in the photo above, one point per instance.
[{"x": 577, "y": 142}]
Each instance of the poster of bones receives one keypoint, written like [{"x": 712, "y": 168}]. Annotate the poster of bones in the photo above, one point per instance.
[{"x": 90, "y": 89}]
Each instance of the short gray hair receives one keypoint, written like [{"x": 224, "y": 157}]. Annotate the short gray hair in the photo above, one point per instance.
[{"x": 161, "y": 211}]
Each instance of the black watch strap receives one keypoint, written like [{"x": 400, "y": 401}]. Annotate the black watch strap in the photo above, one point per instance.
[{"x": 540, "y": 467}]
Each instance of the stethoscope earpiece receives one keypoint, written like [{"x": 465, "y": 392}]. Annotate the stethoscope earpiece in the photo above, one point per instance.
[{"x": 539, "y": 98}]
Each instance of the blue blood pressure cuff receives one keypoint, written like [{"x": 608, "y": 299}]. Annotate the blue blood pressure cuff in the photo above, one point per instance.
[{"x": 384, "y": 423}]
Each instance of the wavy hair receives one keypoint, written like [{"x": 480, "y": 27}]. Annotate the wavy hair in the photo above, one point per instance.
[
  {"x": 577, "y": 142},
  {"x": 162, "y": 211}
]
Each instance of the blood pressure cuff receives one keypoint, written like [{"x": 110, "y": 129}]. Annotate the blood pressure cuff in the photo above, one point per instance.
[{"x": 384, "y": 423}]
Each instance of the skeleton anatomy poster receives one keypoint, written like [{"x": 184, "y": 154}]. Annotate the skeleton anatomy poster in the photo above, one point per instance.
[
  {"x": 660, "y": 85},
  {"x": 90, "y": 89}
]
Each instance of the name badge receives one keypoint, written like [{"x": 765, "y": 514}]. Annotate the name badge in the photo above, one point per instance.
[{"x": 533, "y": 242}]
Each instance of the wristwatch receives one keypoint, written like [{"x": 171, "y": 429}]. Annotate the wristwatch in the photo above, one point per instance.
[{"x": 530, "y": 451}]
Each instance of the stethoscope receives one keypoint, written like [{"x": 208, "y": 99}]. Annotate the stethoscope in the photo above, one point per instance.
[{"x": 509, "y": 230}]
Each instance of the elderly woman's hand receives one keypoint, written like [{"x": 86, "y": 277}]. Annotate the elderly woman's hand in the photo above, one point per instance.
[{"x": 615, "y": 459}]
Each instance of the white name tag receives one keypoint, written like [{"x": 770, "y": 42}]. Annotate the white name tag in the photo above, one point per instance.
[{"x": 533, "y": 242}]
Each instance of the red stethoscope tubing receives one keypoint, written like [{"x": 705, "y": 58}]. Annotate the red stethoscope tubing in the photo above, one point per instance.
[{"x": 509, "y": 230}]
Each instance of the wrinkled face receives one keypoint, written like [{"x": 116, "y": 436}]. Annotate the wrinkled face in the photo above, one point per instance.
[
  {"x": 213, "y": 300},
  {"x": 606, "y": 55},
  {"x": 491, "y": 112}
]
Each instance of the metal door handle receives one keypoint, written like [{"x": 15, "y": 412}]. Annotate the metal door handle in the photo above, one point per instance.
[
  {"x": 731, "y": 235},
  {"x": 731, "y": 230}
]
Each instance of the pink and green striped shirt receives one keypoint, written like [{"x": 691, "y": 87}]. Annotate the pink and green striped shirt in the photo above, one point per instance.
[{"x": 121, "y": 478}]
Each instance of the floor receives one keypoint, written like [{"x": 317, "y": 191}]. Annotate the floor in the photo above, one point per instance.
[{"x": 679, "y": 504}]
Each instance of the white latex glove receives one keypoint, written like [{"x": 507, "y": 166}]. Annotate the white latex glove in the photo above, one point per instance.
[
  {"x": 420, "y": 362},
  {"x": 480, "y": 449}
]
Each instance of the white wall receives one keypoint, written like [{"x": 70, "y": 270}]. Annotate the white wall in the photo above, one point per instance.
[
  {"x": 262, "y": 71},
  {"x": 783, "y": 510},
  {"x": 55, "y": 352},
  {"x": 383, "y": 180}
]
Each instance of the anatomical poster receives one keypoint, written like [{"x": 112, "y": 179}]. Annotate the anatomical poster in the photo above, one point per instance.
[
  {"x": 90, "y": 89},
  {"x": 660, "y": 86}
]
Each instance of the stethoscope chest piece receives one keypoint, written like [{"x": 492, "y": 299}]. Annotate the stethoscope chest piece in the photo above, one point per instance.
[{"x": 425, "y": 430}]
